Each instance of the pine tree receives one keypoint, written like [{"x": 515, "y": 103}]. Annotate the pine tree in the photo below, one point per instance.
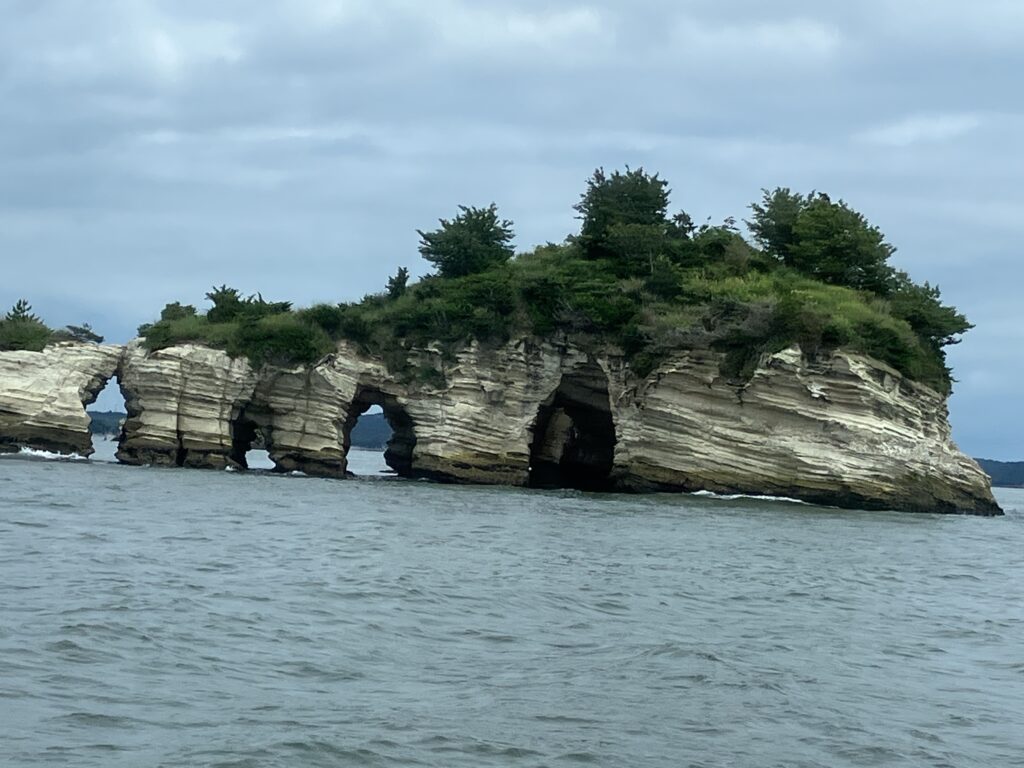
[{"x": 22, "y": 313}]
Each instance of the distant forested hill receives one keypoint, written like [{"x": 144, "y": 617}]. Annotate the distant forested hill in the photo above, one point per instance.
[
  {"x": 372, "y": 431},
  {"x": 106, "y": 422},
  {"x": 1004, "y": 473}
]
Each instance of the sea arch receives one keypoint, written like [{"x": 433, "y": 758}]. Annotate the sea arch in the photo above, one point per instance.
[
  {"x": 573, "y": 436},
  {"x": 399, "y": 451}
]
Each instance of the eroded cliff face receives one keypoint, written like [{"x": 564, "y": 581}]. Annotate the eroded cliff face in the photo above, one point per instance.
[
  {"x": 182, "y": 404},
  {"x": 43, "y": 396},
  {"x": 844, "y": 430},
  {"x": 841, "y": 430}
]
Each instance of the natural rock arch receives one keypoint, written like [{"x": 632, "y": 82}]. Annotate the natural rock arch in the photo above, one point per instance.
[
  {"x": 398, "y": 454},
  {"x": 573, "y": 442},
  {"x": 247, "y": 432}
]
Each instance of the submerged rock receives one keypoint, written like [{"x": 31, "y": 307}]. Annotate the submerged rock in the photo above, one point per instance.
[{"x": 841, "y": 429}]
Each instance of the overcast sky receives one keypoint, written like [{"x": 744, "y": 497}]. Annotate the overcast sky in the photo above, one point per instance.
[{"x": 149, "y": 150}]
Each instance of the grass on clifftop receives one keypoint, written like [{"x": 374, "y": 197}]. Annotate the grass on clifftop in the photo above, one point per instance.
[{"x": 816, "y": 274}]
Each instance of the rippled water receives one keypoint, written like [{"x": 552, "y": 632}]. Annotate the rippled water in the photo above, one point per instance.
[{"x": 168, "y": 617}]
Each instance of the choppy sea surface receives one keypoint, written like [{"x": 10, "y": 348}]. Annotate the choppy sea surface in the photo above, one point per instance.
[{"x": 156, "y": 617}]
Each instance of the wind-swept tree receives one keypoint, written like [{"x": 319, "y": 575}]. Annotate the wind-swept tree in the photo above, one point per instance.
[
  {"x": 921, "y": 306},
  {"x": 227, "y": 304},
  {"x": 83, "y": 332}
]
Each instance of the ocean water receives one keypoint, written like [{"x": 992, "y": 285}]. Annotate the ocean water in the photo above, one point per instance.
[{"x": 153, "y": 617}]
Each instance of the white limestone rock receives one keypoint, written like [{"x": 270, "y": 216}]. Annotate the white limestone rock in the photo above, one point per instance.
[
  {"x": 43, "y": 395},
  {"x": 182, "y": 403},
  {"x": 841, "y": 429}
]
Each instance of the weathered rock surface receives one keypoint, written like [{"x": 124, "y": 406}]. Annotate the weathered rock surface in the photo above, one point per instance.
[
  {"x": 841, "y": 430},
  {"x": 846, "y": 431},
  {"x": 182, "y": 403},
  {"x": 43, "y": 396}
]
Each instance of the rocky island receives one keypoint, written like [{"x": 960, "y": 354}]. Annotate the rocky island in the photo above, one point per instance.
[{"x": 645, "y": 354}]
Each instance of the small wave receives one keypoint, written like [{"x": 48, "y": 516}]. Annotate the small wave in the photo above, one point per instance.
[
  {"x": 737, "y": 496},
  {"x": 580, "y": 757},
  {"x": 32, "y": 453},
  {"x": 99, "y": 720}
]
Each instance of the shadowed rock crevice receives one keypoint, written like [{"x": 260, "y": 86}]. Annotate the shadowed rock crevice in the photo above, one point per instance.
[
  {"x": 574, "y": 435},
  {"x": 399, "y": 452},
  {"x": 247, "y": 433},
  {"x": 181, "y": 454}
]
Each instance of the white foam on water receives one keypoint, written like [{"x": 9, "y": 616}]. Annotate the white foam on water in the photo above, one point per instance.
[
  {"x": 736, "y": 496},
  {"x": 50, "y": 456}
]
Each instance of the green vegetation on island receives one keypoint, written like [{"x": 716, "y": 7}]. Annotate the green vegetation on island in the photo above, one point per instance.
[
  {"x": 814, "y": 272},
  {"x": 371, "y": 432},
  {"x": 20, "y": 329}
]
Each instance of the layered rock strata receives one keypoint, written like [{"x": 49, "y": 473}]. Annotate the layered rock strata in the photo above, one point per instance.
[
  {"x": 182, "y": 404},
  {"x": 842, "y": 429},
  {"x": 43, "y": 396}
]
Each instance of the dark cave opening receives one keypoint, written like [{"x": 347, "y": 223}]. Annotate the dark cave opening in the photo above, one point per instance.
[
  {"x": 574, "y": 435},
  {"x": 249, "y": 444}
]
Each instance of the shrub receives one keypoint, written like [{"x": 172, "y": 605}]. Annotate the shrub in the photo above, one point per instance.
[
  {"x": 28, "y": 335},
  {"x": 177, "y": 311},
  {"x": 20, "y": 329},
  {"x": 280, "y": 339}
]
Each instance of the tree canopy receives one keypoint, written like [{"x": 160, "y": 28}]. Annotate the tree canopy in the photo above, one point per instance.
[
  {"x": 623, "y": 214},
  {"x": 836, "y": 245},
  {"x": 823, "y": 239},
  {"x": 20, "y": 329},
  {"x": 774, "y": 222},
  {"x": 21, "y": 312},
  {"x": 816, "y": 273},
  {"x": 474, "y": 241},
  {"x": 398, "y": 282}
]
